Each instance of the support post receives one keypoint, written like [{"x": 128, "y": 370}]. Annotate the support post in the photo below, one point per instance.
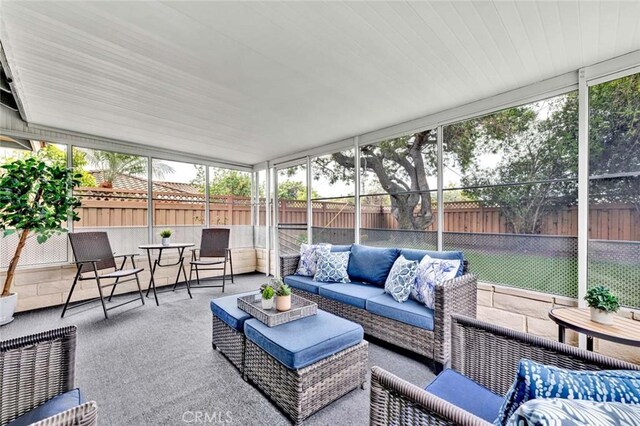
[
  {"x": 309, "y": 203},
  {"x": 207, "y": 202},
  {"x": 440, "y": 190},
  {"x": 150, "y": 200},
  {"x": 583, "y": 191},
  {"x": 356, "y": 172}
]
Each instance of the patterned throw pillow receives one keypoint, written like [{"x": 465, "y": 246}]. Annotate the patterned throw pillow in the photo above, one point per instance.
[
  {"x": 534, "y": 381},
  {"x": 332, "y": 267},
  {"x": 401, "y": 279},
  {"x": 430, "y": 273},
  {"x": 571, "y": 412},
  {"x": 309, "y": 258}
]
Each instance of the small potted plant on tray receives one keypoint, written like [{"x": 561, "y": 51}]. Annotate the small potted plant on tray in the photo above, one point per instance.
[
  {"x": 165, "y": 234},
  {"x": 603, "y": 304},
  {"x": 283, "y": 301},
  {"x": 267, "y": 296}
]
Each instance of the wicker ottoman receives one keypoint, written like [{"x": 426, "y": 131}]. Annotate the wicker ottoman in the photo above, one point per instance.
[
  {"x": 305, "y": 365},
  {"x": 227, "y": 335}
]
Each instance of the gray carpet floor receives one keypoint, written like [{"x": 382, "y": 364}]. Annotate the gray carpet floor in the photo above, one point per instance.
[{"x": 154, "y": 365}]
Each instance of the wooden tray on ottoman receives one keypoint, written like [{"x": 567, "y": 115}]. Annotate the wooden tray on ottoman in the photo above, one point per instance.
[{"x": 300, "y": 308}]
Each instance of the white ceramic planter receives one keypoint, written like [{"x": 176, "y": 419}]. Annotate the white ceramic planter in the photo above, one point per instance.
[
  {"x": 267, "y": 303},
  {"x": 166, "y": 241},
  {"x": 283, "y": 303},
  {"x": 8, "y": 308},
  {"x": 602, "y": 317}
]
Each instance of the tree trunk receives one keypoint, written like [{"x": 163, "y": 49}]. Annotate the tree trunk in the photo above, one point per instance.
[{"x": 14, "y": 263}]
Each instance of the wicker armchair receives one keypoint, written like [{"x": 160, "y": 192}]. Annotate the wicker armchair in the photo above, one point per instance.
[
  {"x": 456, "y": 296},
  {"x": 487, "y": 354},
  {"x": 34, "y": 369}
]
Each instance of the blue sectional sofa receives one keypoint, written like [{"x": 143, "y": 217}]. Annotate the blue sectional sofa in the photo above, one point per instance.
[{"x": 409, "y": 325}]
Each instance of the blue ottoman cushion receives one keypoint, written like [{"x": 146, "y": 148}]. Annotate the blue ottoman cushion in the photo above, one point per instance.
[
  {"x": 304, "y": 283},
  {"x": 414, "y": 254},
  {"x": 409, "y": 312},
  {"x": 352, "y": 293},
  {"x": 298, "y": 344},
  {"x": 463, "y": 392},
  {"x": 55, "y": 405},
  {"x": 371, "y": 265},
  {"x": 226, "y": 308}
]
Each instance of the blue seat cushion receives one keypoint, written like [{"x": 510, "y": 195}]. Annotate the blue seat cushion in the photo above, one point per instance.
[
  {"x": 353, "y": 294},
  {"x": 415, "y": 254},
  {"x": 226, "y": 308},
  {"x": 464, "y": 393},
  {"x": 298, "y": 344},
  {"x": 304, "y": 283},
  {"x": 371, "y": 265},
  {"x": 409, "y": 312},
  {"x": 341, "y": 248},
  {"x": 55, "y": 405}
]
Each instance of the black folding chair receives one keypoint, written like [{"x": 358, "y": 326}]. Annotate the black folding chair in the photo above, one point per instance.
[
  {"x": 92, "y": 253},
  {"x": 214, "y": 248}
]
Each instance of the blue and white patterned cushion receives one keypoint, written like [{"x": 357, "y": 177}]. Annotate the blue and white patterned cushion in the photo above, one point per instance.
[
  {"x": 430, "y": 273},
  {"x": 309, "y": 258},
  {"x": 401, "y": 279},
  {"x": 332, "y": 267},
  {"x": 535, "y": 380},
  {"x": 570, "y": 412}
]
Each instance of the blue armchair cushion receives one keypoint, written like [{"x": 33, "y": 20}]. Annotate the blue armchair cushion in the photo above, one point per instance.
[
  {"x": 354, "y": 294},
  {"x": 332, "y": 267},
  {"x": 55, "y": 405},
  {"x": 371, "y": 265},
  {"x": 304, "y": 283},
  {"x": 226, "y": 309},
  {"x": 464, "y": 393},
  {"x": 401, "y": 279},
  {"x": 534, "y": 380},
  {"x": 409, "y": 312},
  {"x": 298, "y": 344},
  {"x": 573, "y": 412},
  {"x": 309, "y": 254},
  {"x": 414, "y": 254}
]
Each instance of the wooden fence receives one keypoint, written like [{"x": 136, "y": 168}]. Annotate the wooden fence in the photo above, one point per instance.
[{"x": 110, "y": 207}]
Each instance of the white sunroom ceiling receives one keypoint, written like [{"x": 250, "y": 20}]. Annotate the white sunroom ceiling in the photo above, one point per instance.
[{"x": 251, "y": 81}]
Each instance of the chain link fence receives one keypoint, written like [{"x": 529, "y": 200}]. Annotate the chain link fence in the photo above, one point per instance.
[{"x": 616, "y": 264}]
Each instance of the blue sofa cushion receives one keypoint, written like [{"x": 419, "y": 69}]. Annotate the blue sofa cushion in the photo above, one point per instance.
[
  {"x": 353, "y": 294},
  {"x": 415, "y": 254},
  {"x": 340, "y": 248},
  {"x": 55, "y": 405},
  {"x": 298, "y": 344},
  {"x": 226, "y": 308},
  {"x": 332, "y": 267},
  {"x": 308, "y": 263},
  {"x": 304, "y": 283},
  {"x": 464, "y": 393},
  {"x": 534, "y": 380},
  {"x": 574, "y": 412},
  {"x": 371, "y": 265},
  {"x": 410, "y": 312}
]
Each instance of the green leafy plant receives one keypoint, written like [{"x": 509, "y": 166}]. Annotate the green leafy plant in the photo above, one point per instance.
[
  {"x": 283, "y": 290},
  {"x": 601, "y": 298},
  {"x": 35, "y": 197},
  {"x": 267, "y": 292},
  {"x": 166, "y": 233}
]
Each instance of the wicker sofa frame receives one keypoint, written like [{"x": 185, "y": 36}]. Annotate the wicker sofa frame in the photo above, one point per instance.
[
  {"x": 489, "y": 355},
  {"x": 34, "y": 369},
  {"x": 458, "y": 295},
  {"x": 300, "y": 393}
]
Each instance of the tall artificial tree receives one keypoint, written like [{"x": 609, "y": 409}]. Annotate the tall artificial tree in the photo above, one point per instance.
[{"x": 35, "y": 197}]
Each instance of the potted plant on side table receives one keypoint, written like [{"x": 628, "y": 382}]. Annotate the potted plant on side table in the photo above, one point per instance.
[
  {"x": 603, "y": 304},
  {"x": 165, "y": 234},
  {"x": 283, "y": 301},
  {"x": 35, "y": 197},
  {"x": 267, "y": 297}
]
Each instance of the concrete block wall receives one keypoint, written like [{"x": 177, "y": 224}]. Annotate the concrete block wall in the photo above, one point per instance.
[
  {"x": 40, "y": 287},
  {"x": 528, "y": 311}
]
